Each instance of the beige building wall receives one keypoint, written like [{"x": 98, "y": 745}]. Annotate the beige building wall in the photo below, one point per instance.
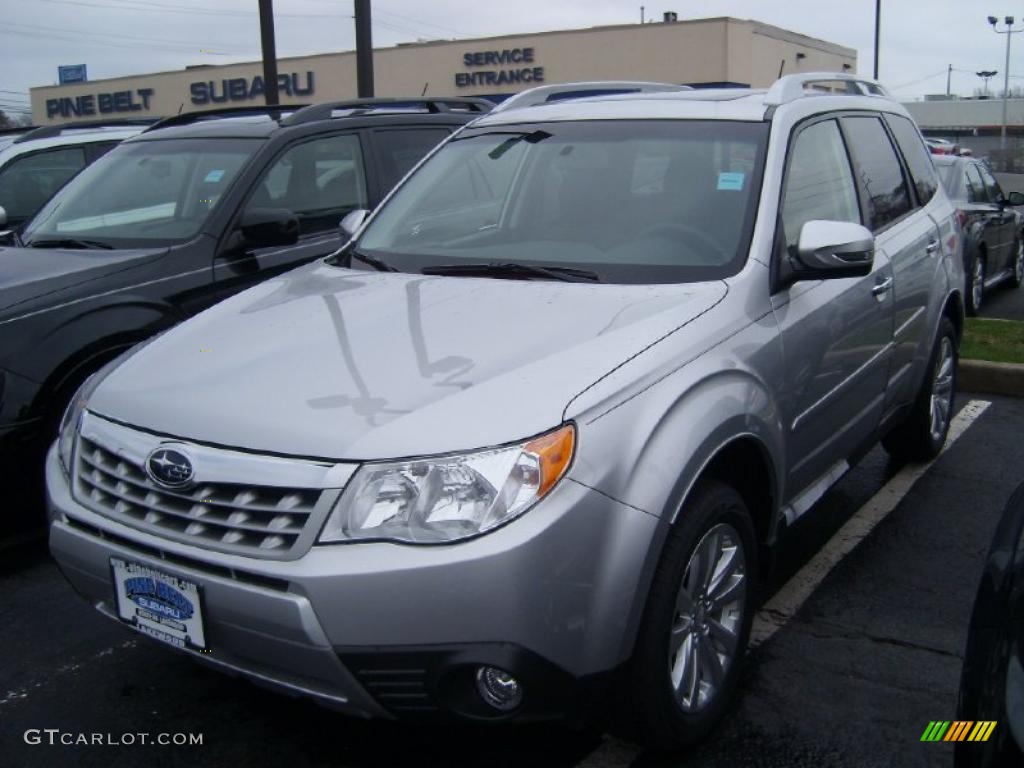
[{"x": 719, "y": 50}]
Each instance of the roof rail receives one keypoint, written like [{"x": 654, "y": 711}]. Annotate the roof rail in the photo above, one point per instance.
[
  {"x": 792, "y": 87},
  {"x": 544, "y": 94},
  {"x": 185, "y": 118},
  {"x": 17, "y": 129},
  {"x": 432, "y": 104},
  {"x": 49, "y": 131}
]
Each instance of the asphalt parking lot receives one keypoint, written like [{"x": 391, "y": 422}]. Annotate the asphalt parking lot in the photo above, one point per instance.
[{"x": 851, "y": 679}]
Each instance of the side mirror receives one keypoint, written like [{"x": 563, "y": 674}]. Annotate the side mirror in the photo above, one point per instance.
[
  {"x": 1014, "y": 199},
  {"x": 352, "y": 222},
  {"x": 830, "y": 249},
  {"x": 269, "y": 226},
  {"x": 3, "y": 217}
]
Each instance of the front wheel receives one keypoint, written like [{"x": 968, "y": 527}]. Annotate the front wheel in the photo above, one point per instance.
[
  {"x": 922, "y": 436},
  {"x": 694, "y": 632},
  {"x": 975, "y": 284}
]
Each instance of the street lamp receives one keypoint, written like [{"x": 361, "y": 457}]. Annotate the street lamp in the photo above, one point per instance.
[
  {"x": 1009, "y": 32},
  {"x": 986, "y": 75}
]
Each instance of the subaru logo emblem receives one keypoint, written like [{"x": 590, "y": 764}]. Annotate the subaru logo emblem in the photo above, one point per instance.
[{"x": 169, "y": 467}]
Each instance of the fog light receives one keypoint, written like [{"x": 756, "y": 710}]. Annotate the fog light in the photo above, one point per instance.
[{"x": 498, "y": 688}]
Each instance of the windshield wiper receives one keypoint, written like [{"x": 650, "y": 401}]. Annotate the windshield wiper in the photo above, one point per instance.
[
  {"x": 69, "y": 242},
  {"x": 344, "y": 258},
  {"x": 514, "y": 269}
]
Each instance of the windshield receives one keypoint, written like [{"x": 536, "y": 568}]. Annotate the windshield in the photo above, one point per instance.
[
  {"x": 143, "y": 193},
  {"x": 631, "y": 201}
]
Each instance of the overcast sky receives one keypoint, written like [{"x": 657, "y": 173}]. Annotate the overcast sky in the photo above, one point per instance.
[{"x": 123, "y": 37}]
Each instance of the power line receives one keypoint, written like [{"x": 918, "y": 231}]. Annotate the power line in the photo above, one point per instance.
[{"x": 153, "y": 7}]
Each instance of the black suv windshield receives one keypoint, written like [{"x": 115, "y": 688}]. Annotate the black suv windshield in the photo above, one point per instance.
[
  {"x": 631, "y": 201},
  {"x": 156, "y": 192}
]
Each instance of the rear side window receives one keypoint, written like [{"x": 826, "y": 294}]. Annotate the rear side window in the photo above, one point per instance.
[
  {"x": 399, "y": 150},
  {"x": 919, "y": 159},
  {"x": 879, "y": 170},
  {"x": 819, "y": 182}
]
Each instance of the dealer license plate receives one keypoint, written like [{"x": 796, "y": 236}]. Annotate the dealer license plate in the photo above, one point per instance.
[{"x": 158, "y": 604}]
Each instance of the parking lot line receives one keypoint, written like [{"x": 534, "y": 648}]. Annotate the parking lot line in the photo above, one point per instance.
[
  {"x": 787, "y": 601},
  {"x": 616, "y": 753}
]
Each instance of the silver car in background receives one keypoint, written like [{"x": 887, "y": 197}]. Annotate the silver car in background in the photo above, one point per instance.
[{"x": 522, "y": 449}]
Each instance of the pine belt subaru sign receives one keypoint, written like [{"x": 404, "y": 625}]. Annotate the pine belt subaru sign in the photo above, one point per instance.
[{"x": 71, "y": 73}]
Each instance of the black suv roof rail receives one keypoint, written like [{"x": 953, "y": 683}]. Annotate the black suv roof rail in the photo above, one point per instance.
[
  {"x": 185, "y": 118},
  {"x": 396, "y": 104},
  {"x": 49, "y": 131}
]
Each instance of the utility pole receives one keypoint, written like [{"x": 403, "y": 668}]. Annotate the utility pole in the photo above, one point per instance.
[
  {"x": 364, "y": 50},
  {"x": 878, "y": 29},
  {"x": 269, "y": 52},
  {"x": 949, "y": 74},
  {"x": 1009, "y": 32}
]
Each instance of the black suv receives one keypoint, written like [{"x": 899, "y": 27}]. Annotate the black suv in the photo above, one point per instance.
[{"x": 194, "y": 209}]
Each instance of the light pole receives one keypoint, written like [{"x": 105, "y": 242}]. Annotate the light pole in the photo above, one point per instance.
[
  {"x": 1009, "y": 32},
  {"x": 986, "y": 75}
]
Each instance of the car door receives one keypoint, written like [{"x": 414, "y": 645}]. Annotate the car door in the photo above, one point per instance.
[
  {"x": 911, "y": 237},
  {"x": 319, "y": 180},
  {"x": 837, "y": 333},
  {"x": 1002, "y": 219}
]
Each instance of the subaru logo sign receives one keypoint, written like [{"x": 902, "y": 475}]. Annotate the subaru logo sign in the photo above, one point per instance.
[{"x": 169, "y": 467}]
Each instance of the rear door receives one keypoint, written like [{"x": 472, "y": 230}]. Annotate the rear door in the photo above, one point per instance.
[
  {"x": 318, "y": 179},
  {"x": 912, "y": 239},
  {"x": 1002, "y": 219},
  {"x": 837, "y": 333}
]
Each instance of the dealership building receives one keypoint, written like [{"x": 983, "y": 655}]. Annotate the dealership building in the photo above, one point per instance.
[{"x": 702, "y": 52}]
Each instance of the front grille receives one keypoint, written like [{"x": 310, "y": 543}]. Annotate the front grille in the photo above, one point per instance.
[
  {"x": 400, "y": 690},
  {"x": 251, "y": 517},
  {"x": 240, "y": 503}
]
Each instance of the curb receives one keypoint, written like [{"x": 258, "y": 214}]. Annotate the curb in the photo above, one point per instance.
[{"x": 991, "y": 378}]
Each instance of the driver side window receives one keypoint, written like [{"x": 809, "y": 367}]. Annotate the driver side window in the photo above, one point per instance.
[
  {"x": 819, "y": 182},
  {"x": 319, "y": 181}
]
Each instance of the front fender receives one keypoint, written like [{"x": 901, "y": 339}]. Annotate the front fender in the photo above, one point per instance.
[{"x": 649, "y": 451}]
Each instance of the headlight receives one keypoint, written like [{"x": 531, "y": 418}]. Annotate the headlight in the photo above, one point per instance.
[
  {"x": 447, "y": 498},
  {"x": 69, "y": 423}
]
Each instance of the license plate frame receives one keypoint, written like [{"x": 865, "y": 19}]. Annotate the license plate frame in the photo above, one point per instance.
[{"x": 161, "y": 605}]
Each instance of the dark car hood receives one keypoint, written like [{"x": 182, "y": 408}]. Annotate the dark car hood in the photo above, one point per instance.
[
  {"x": 330, "y": 362},
  {"x": 31, "y": 273}
]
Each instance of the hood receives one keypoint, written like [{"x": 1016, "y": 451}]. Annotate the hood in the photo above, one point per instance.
[
  {"x": 31, "y": 273},
  {"x": 336, "y": 363}
]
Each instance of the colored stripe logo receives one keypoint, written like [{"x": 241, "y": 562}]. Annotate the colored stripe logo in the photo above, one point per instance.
[{"x": 958, "y": 730}]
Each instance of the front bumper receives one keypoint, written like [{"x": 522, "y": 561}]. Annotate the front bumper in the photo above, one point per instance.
[{"x": 382, "y": 630}]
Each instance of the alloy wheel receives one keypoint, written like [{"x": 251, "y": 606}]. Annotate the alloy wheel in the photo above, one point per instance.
[
  {"x": 708, "y": 617},
  {"x": 942, "y": 389}
]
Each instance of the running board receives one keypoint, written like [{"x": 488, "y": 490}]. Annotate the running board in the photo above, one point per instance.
[{"x": 813, "y": 493}]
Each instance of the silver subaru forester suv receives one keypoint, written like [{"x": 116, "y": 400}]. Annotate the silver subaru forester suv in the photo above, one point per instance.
[{"x": 523, "y": 448}]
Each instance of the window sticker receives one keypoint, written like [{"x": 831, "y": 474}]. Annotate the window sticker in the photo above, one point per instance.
[
  {"x": 214, "y": 176},
  {"x": 732, "y": 182}
]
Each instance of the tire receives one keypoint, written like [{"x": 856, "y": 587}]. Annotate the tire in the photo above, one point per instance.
[
  {"x": 923, "y": 434},
  {"x": 713, "y": 520},
  {"x": 975, "y": 293},
  {"x": 1017, "y": 273}
]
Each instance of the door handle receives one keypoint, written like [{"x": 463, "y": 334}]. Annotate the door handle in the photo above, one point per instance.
[
  {"x": 932, "y": 247},
  {"x": 882, "y": 287}
]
